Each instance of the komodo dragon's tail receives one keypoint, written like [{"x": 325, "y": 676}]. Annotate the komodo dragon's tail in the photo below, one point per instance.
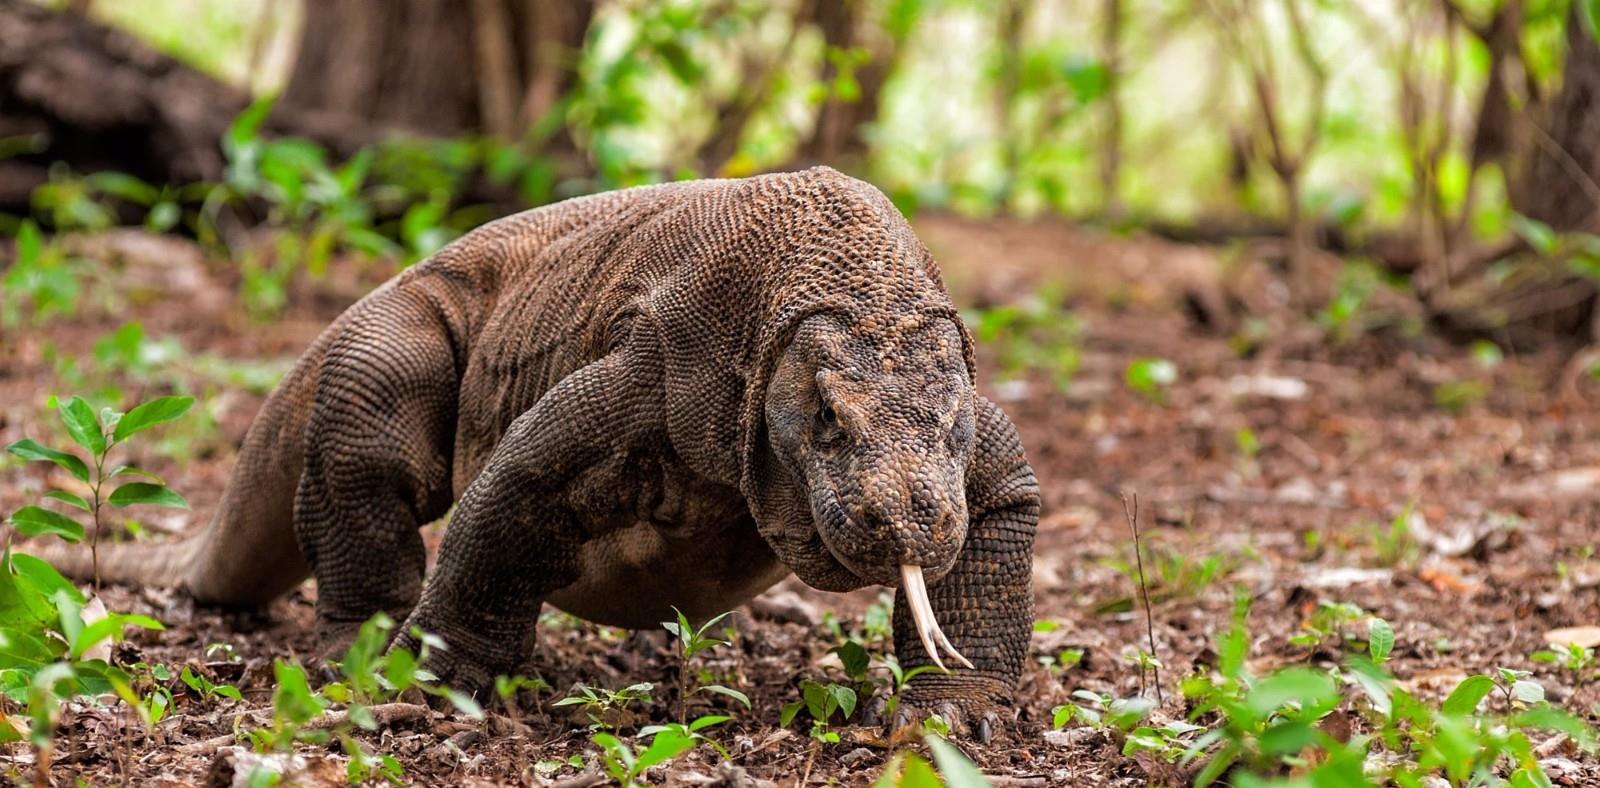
[{"x": 247, "y": 556}]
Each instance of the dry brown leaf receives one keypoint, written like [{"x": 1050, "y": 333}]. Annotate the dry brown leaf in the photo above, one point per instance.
[
  {"x": 1585, "y": 636},
  {"x": 1444, "y": 580}
]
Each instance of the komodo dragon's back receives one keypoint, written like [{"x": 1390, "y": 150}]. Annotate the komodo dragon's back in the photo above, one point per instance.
[{"x": 248, "y": 555}]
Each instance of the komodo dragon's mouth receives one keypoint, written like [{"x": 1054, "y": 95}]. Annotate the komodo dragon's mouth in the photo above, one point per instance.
[
  {"x": 928, "y": 630},
  {"x": 911, "y": 582}
]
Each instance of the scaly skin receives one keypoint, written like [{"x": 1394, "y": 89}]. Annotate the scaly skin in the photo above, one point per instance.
[{"x": 665, "y": 396}]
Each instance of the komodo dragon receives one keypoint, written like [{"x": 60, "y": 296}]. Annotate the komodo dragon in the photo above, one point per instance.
[{"x": 666, "y": 395}]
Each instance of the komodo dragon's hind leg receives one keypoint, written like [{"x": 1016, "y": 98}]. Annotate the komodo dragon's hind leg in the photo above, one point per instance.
[
  {"x": 377, "y": 461},
  {"x": 514, "y": 538}
]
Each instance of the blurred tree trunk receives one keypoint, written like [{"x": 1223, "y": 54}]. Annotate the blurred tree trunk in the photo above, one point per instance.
[
  {"x": 1557, "y": 180},
  {"x": 836, "y": 137},
  {"x": 438, "y": 67},
  {"x": 1111, "y": 143},
  {"x": 90, "y": 96},
  {"x": 1552, "y": 163}
]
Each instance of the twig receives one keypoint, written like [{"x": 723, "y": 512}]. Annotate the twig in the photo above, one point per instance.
[{"x": 1144, "y": 593}]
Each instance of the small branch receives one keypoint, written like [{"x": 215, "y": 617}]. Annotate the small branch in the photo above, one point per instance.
[{"x": 1144, "y": 592}]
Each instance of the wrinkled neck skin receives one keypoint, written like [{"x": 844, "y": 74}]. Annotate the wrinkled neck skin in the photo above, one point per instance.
[{"x": 865, "y": 437}]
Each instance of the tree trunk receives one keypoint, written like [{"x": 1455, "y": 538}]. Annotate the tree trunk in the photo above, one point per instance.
[
  {"x": 1558, "y": 182},
  {"x": 837, "y": 137},
  {"x": 96, "y": 98},
  {"x": 438, "y": 67}
]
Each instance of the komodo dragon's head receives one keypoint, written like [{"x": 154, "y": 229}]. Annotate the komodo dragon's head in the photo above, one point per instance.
[{"x": 875, "y": 427}]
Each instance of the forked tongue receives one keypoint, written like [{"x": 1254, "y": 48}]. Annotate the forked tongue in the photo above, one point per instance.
[{"x": 922, "y": 617}]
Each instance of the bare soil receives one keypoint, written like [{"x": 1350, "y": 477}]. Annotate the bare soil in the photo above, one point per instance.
[{"x": 1503, "y": 497}]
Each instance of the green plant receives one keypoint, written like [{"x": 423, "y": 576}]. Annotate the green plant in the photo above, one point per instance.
[
  {"x": 1150, "y": 377},
  {"x": 601, "y": 705},
  {"x": 625, "y": 766},
  {"x": 508, "y": 687},
  {"x": 1259, "y": 728},
  {"x": 877, "y": 623},
  {"x": 1573, "y": 657},
  {"x": 1456, "y": 396},
  {"x": 1331, "y": 619},
  {"x": 41, "y": 282},
  {"x": 54, "y": 650},
  {"x": 690, "y": 642},
  {"x": 97, "y": 435},
  {"x": 1394, "y": 545},
  {"x": 823, "y": 702},
  {"x": 909, "y": 770},
  {"x": 1345, "y": 316},
  {"x": 207, "y": 689},
  {"x": 1098, "y": 710},
  {"x": 899, "y": 677},
  {"x": 369, "y": 675},
  {"x": 693, "y": 731},
  {"x": 1038, "y": 333},
  {"x": 1172, "y": 574},
  {"x": 373, "y": 674}
]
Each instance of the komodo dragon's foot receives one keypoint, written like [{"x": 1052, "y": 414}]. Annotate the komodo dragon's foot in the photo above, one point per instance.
[{"x": 973, "y": 705}]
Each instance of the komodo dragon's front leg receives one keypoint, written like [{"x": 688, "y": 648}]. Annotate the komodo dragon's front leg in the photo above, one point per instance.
[
  {"x": 984, "y": 603},
  {"x": 515, "y": 538}
]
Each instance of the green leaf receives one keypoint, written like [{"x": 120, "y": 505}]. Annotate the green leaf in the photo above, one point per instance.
[
  {"x": 70, "y": 499},
  {"x": 130, "y": 470},
  {"x": 149, "y": 414},
  {"x": 853, "y": 656},
  {"x": 83, "y": 425},
  {"x": 111, "y": 626},
  {"x": 1287, "y": 737},
  {"x": 958, "y": 771},
  {"x": 146, "y": 493},
  {"x": 667, "y": 745},
  {"x": 701, "y": 723},
  {"x": 1465, "y": 697},
  {"x": 1527, "y": 691},
  {"x": 732, "y": 693},
  {"x": 293, "y": 699},
  {"x": 33, "y": 521},
  {"x": 29, "y": 449},
  {"x": 1149, "y": 375},
  {"x": 28, "y": 242},
  {"x": 1305, "y": 686},
  {"x": 1554, "y": 719},
  {"x": 400, "y": 669},
  {"x": 1380, "y": 639},
  {"x": 1538, "y": 234},
  {"x": 39, "y": 574},
  {"x": 463, "y": 702}
]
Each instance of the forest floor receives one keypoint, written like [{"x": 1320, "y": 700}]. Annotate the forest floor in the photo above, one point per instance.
[{"x": 1458, "y": 500}]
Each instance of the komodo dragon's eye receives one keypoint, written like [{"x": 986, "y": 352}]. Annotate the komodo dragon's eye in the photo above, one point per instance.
[{"x": 830, "y": 433}]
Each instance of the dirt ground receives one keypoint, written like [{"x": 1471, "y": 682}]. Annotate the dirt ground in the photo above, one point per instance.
[{"x": 1280, "y": 473}]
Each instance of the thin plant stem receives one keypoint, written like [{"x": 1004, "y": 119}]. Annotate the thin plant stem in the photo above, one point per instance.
[{"x": 1144, "y": 593}]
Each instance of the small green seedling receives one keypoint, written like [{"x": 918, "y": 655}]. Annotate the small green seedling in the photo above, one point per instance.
[
  {"x": 207, "y": 689},
  {"x": 823, "y": 702},
  {"x": 625, "y": 766},
  {"x": 97, "y": 435},
  {"x": 1150, "y": 377},
  {"x": 692, "y": 641},
  {"x": 508, "y": 687},
  {"x": 693, "y": 730},
  {"x": 601, "y": 705},
  {"x": 1572, "y": 656}
]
